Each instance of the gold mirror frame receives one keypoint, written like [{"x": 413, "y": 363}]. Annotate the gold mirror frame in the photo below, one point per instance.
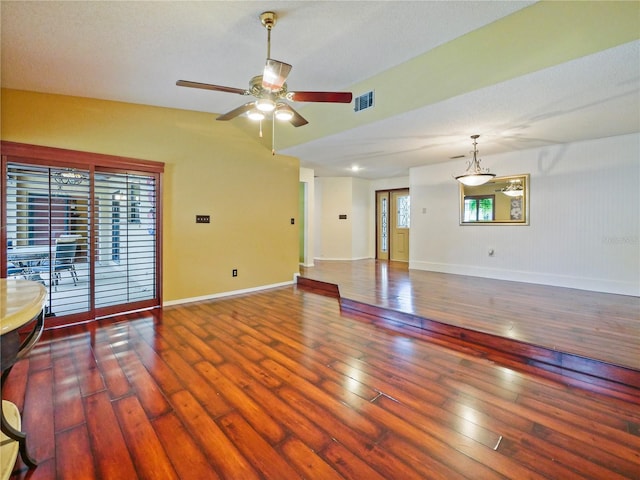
[{"x": 487, "y": 204}]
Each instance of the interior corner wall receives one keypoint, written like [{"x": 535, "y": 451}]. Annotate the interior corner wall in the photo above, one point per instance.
[
  {"x": 362, "y": 216},
  {"x": 584, "y": 229},
  {"x": 307, "y": 177},
  {"x": 211, "y": 168}
]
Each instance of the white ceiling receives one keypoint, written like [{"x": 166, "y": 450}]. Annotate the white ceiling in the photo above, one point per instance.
[{"x": 135, "y": 51}]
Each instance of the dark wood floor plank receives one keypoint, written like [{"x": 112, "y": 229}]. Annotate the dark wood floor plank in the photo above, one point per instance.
[
  {"x": 264, "y": 458},
  {"x": 585, "y": 458},
  {"x": 67, "y": 400},
  {"x": 583, "y": 434},
  {"x": 542, "y": 440},
  {"x": 274, "y": 357},
  {"x": 295, "y": 422},
  {"x": 235, "y": 356},
  {"x": 347, "y": 464},
  {"x": 608, "y": 439},
  {"x": 40, "y": 358},
  {"x": 107, "y": 441},
  {"x": 222, "y": 340},
  {"x": 208, "y": 397},
  {"x": 149, "y": 457},
  {"x": 16, "y": 386},
  {"x": 38, "y": 415},
  {"x": 186, "y": 456},
  {"x": 413, "y": 425},
  {"x": 46, "y": 470},
  {"x": 255, "y": 414},
  {"x": 74, "y": 459},
  {"x": 89, "y": 377},
  {"x": 174, "y": 342},
  {"x": 198, "y": 344},
  {"x": 395, "y": 384},
  {"x": 157, "y": 368},
  {"x": 220, "y": 449},
  {"x": 151, "y": 396},
  {"x": 306, "y": 461},
  {"x": 322, "y": 364},
  {"x": 362, "y": 445},
  {"x": 325, "y": 402},
  {"x": 422, "y": 459},
  {"x": 114, "y": 377}
]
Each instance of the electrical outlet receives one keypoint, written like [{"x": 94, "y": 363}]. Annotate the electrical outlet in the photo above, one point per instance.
[
  {"x": 293, "y": 221},
  {"x": 234, "y": 272},
  {"x": 203, "y": 219}
]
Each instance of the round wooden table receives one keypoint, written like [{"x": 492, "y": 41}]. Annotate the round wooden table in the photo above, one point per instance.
[{"x": 21, "y": 303}]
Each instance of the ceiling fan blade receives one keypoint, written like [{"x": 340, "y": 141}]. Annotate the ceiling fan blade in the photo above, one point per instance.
[
  {"x": 333, "y": 97},
  {"x": 208, "y": 86},
  {"x": 297, "y": 120},
  {"x": 275, "y": 74},
  {"x": 237, "y": 111}
]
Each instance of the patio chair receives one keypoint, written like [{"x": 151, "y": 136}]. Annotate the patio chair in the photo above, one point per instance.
[
  {"x": 63, "y": 260},
  {"x": 14, "y": 270}
]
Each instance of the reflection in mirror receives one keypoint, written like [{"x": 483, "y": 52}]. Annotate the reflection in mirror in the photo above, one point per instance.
[{"x": 501, "y": 201}]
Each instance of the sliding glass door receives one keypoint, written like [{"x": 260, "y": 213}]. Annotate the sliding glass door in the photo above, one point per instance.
[
  {"x": 88, "y": 233},
  {"x": 47, "y": 211},
  {"x": 125, "y": 242}
]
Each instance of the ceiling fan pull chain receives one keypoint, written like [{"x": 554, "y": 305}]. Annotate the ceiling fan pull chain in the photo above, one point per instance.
[{"x": 260, "y": 128}]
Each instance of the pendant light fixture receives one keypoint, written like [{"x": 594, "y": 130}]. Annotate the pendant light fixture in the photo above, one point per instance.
[
  {"x": 514, "y": 188},
  {"x": 475, "y": 175},
  {"x": 69, "y": 177}
]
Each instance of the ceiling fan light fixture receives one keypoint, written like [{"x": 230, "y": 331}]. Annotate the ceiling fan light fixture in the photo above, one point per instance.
[
  {"x": 475, "y": 175},
  {"x": 284, "y": 112},
  {"x": 265, "y": 105},
  {"x": 255, "y": 114}
]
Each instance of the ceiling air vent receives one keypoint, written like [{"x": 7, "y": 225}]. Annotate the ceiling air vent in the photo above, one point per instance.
[{"x": 364, "y": 101}]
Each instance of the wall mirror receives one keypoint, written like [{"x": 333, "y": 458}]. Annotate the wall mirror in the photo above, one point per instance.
[{"x": 501, "y": 201}]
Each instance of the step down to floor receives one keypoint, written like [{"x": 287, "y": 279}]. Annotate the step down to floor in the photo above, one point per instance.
[{"x": 510, "y": 352}]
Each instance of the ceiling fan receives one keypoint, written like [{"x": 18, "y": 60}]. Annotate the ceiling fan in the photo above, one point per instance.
[{"x": 270, "y": 89}]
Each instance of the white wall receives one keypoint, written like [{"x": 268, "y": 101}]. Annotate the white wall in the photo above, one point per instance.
[
  {"x": 361, "y": 219},
  {"x": 348, "y": 239},
  {"x": 334, "y": 236},
  {"x": 584, "y": 219}
]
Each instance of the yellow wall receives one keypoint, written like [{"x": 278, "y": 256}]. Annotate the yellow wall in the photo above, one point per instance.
[{"x": 211, "y": 168}]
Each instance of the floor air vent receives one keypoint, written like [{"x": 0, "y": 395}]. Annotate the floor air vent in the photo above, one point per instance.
[{"x": 364, "y": 101}]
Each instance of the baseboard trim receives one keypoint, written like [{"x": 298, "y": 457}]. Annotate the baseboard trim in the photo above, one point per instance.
[{"x": 231, "y": 293}]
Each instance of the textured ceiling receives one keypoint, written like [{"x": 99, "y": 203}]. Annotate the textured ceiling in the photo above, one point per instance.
[{"x": 135, "y": 51}]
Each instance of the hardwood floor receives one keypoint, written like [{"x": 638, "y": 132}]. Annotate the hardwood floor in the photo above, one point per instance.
[
  {"x": 282, "y": 385},
  {"x": 562, "y": 329}
]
